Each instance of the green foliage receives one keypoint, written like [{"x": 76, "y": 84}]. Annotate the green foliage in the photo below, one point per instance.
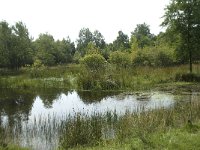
[
  {"x": 188, "y": 77},
  {"x": 122, "y": 42},
  {"x": 154, "y": 56},
  {"x": 87, "y": 37},
  {"x": 5, "y": 43},
  {"x": 94, "y": 63},
  {"x": 152, "y": 129},
  {"x": 182, "y": 17},
  {"x": 12, "y": 147},
  {"x": 92, "y": 49},
  {"x": 15, "y": 45},
  {"x": 82, "y": 130},
  {"x": 120, "y": 59},
  {"x": 77, "y": 57},
  {"x": 51, "y": 52},
  {"x": 92, "y": 73},
  {"x": 142, "y": 36}
]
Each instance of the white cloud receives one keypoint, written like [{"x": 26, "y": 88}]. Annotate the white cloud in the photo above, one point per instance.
[{"x": 63, "y": 18}]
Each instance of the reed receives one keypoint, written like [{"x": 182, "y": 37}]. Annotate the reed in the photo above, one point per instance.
[
  {"x": 85, "y": 131},
  {"x": 132, "y": 130}
]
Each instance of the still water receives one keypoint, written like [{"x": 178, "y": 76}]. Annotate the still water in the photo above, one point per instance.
[{"x": 30, "y": 115}]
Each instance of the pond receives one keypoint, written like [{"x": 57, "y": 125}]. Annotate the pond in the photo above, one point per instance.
[{"x": 34, "y": 119}]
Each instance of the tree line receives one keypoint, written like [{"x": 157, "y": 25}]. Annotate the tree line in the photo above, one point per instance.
[{"x": 179, "y": 44}]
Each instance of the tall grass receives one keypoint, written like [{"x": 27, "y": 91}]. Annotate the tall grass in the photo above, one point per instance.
[
  {"x": 134, "y": 130},
  {"x": 101, "y": 129},
  {"x": 54, "y": 77},
  {"x": 76, "y": 77},
  {"x": 132, "y": 78}
]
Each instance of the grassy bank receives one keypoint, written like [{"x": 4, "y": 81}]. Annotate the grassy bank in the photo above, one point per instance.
[
  {"x": 46, "y": 77},
  {"x": 173, "y": 139},
  {"x": 175, "y": 128},
  {"x": 113, "y": 78}
]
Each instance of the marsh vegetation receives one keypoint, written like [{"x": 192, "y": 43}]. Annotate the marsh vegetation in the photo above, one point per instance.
[{"x": 140, "y": 92}]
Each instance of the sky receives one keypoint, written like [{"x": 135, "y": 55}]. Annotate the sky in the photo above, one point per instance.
[{"x": 62, "y": 18}]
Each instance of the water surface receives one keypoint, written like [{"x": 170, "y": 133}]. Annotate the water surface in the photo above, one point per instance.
[{"x": 30, "y": 115}]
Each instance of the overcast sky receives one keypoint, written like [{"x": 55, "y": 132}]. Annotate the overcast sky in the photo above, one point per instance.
[{"x": 62, "y": 18}]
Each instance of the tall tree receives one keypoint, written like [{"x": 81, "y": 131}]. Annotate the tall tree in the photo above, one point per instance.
[
  {"x": 122, "y": 42},
  {"x": 99, "y": 40},
  {"x": 15, "y": 45},
  {"x": 183, "y": 17},
  {"x": 142, "y": 36},
  {"x": 5, "y": 43},
  {"x": 21, "y": 52},
  {"x": 85, "y": 37},
  {"x": 65, "y": 50},
  {"x": 45, "y": 49}
]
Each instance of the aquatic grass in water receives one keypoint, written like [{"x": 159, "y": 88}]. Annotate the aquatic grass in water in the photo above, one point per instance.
[
  {"x": 96, "y": 129},
  {"x": 98, "y": 126}
]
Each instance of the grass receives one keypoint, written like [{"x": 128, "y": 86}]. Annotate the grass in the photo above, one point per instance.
[
  {"x": 12, "y": 147},
  {"x": 172, "y": 128},
  {"x": 174, "y": 139},
  {"x": 154, "y": 129},
  {"x": 76, "y": 77},
  {"x": 132, "y": 78},
  {"x": 28, "y": 78}
]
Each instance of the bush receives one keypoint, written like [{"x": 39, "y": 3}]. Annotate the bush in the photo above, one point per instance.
[
  {"x": 94, "y": 62},
  {"x": 154, "y": 56},
  {"x": 121, "y": 59}
]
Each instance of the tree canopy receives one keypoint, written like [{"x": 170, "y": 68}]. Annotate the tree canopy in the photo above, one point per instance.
[
  {"x": 182, "y": 17},
  {"x": 179, "y": 44}
]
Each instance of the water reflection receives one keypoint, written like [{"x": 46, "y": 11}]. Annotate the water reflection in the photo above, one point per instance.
[
  {"x": 16, "y": 105},
  {"x": 20, "y": 110},
  {"x": 92, "y": 97},
  {"x": 20, "y": 105}
]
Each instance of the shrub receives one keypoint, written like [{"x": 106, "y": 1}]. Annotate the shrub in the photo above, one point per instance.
[
  {"x": 94, "y": 62},
  {"x": 154, "y": 56},
  {"x": 121, "y": 59}
]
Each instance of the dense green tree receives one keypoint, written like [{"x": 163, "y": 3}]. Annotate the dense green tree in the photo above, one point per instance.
[
  {"x": 15, "y": 45},
  {"x": 52, "y": 52},
  {"x": 182, "y": 16},
  {"x": 21, "y": 53},
  {"x": 5, "y": 43},
  {"x": 45, "y": 49},
  {"x": 122, "y": 42},
  {"x": 65, "y": 50},
  {"x": 99, "y": 40},
  {"x": 142, "y": 36},
  {"x": 85, "y": 37}
]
